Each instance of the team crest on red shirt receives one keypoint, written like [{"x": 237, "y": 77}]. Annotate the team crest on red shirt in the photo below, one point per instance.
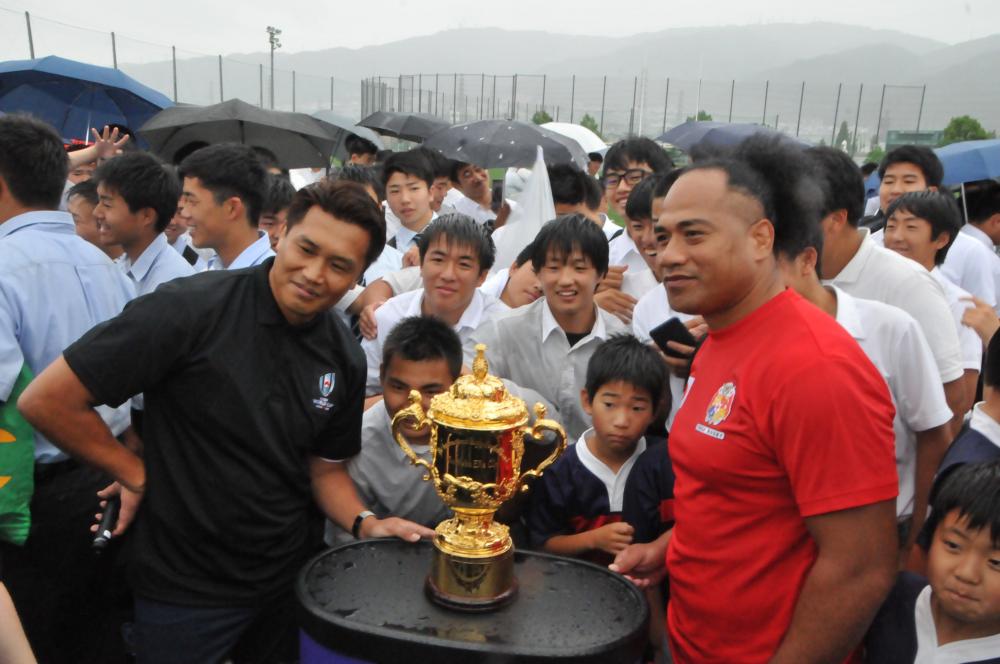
[{"x": 721, "y": 404}]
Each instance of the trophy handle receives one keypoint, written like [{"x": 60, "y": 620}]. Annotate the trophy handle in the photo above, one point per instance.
[
  {"x": 542, "y": 424},
  {"x": 415, "y": 412}
]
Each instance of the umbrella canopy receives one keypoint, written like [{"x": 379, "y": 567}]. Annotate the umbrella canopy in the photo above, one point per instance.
[
  {"x": 970, "y": 160},
  {"x": 715, "y": 134},
  {"x": 340, "y": 127},
  {"x": 588, "y": 140},
  {"x": 295, "y": 139},
  {"x": 505, "y": 143},
  {"x": 73, "y": 96},
  {"x": 408, "y": 126}
]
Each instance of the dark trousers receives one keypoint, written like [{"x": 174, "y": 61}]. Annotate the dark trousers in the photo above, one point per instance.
[
  {"x": 173, "y": 634},
  {"x": 72, "y": 602}
]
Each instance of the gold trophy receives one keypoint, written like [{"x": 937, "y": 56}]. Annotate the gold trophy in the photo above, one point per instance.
[{"x": 476, "y": 445}]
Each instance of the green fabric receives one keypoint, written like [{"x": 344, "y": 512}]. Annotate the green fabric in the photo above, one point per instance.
[{"x": 17, "y": 466}]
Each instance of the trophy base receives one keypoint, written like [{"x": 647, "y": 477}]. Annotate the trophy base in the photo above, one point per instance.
[{"x": 471, "y": 584}]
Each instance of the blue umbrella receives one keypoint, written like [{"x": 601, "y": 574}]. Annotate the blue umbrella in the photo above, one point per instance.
[
  {"x": 73, "y": 96},
  {"x": 969, "y": 161},
  {"x": 715, "y": 134}
]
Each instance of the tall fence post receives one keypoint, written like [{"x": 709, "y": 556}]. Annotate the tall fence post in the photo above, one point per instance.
[
  {"x": 222, "y": 96},
  {"x": 543, "y": 91},
  {"x": 763, "y": 118},
  {"x": 493, "y": 99},
  {"x": 31, "y": 39},
  {"x": 604, "y": 94},
  {"x": 802, "y": 96},
  {"x": 881, "y": 105},
  {"x": 435, "y": 94},
  {"x": 857, "y": 118},
  {"x": 173, "y": 58},
  {"x": 331, "y": 93},
  {"x": 482, "y": 92},
  {"x": 732, "y": 96},
  {"x": 631, "y": 113},
  {"x": 572, "y": 98},
  {"x": 454, "y": 97},
  {"x": 114, "y": 51},
  {"x": 420, "y": 98},
  {"x": 513, "y": 97},
  {"x": 666, "y": 99},
  {"x": 920, "y": 111},
  {"x": 836, "y": 114},
  {"x": 261, "y": 71}
]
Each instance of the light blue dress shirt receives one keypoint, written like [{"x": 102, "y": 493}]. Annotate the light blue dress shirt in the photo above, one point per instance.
[
  {"x": 158, "y": 264},
  {"x": 255, "y": 254},
  {"x": 54, "y": 287}
]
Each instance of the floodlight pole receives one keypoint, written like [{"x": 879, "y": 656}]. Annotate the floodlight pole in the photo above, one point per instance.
[{"x": 272, "y": 38}]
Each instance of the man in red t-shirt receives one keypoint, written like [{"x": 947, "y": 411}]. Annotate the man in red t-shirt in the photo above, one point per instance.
[{"x": 785, "y": 543}]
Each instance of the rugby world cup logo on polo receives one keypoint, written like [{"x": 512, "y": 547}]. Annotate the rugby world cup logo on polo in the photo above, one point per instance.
[
  {"x": 326, "y": 383},
  {"x": 721, "y": 404}
]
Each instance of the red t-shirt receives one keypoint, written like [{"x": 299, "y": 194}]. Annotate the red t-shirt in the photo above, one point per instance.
[{"x": 784, "y": 418}]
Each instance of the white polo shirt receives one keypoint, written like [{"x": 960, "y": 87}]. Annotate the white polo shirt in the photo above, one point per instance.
[
  {"x": 892, "y": 340},
  {"x": 994, "y": 262},
  {"x": 481, "y": 309},
  {"x": 652, "y": 310},
  {"x": 972, "y": 345},
  {"x": 985, "y": 424},
  {"x": 613, "y": 481},
  {"x": 875, "y": 273},
  {"x": 528, "y": 347},
  {"x": 956, "y": 652}
]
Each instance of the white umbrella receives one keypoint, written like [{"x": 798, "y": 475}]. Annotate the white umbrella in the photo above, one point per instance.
[{"x": 588, "y": 140}]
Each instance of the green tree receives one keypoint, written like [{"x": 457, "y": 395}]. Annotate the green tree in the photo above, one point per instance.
[
  {"x": 964, "y": 128},
  {"x": 843, "y": 136},
  {"x": 590, "y": 123},
  {"x": 541, "y": 117},
  {"x": 875, "y": 154},
  {"x": 702, "y": 117}
]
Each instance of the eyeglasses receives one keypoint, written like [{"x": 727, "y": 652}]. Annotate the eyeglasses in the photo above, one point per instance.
[{"x": 632, "y": 177}]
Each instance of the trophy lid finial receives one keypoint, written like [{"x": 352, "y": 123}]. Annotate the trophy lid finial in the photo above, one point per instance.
[{"x": 479, "y": 401}]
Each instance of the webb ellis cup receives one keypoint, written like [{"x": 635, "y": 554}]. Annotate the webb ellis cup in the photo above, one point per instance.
[{"x": 476, "y": 446}]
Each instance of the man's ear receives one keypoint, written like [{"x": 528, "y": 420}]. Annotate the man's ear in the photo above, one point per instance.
[
  {"x": 482, "y": 277},
  {"x": 588, "y": 407},
  {"x": 762, "y": 235}
]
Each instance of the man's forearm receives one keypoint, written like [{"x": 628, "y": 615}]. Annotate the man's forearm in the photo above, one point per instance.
[
  {"x": 932, "y": 445},
  {"x": 834, "y": 609},
  {"x": 334, "y": 492}
]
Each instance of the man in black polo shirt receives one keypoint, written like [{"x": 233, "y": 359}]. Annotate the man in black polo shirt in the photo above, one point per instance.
[{"x": 254, "y": 393}]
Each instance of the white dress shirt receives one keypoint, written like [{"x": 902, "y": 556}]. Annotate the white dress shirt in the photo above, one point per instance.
[
  {"x": 652, "y": 310},
  {"x": 159, "y": 263},
  {"x": 622, "y": 251},
  {"x": 972, "y": 345},
  {"x": 875, "y": 273},
  {"x": 255, "y": 254}
]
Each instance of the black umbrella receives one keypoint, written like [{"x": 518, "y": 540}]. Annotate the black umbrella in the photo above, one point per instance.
[
  {"x": 502, "y": 143},
  {"x": 295, "y": 139},
  {"x": 408, "y": 126},
  {"x": 341, "y": 127},
  {"x": 716, "y": 134}
]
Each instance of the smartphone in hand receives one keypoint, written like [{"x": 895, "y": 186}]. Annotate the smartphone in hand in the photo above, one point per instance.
[{"x": 672, "y": 330}]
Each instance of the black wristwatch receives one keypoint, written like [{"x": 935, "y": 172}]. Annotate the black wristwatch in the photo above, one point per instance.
[{"x": 356, "y": 528}]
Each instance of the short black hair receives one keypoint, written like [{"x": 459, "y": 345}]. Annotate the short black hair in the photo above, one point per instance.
[
  {"x": 440, "y": 165},
  {"x": 143, "y": 181},
  {"x": 640, "y": 200},
  {"x": 33, "y": 161},
  {"x": 346, "y": 201},
  {"x": 279, "y": 194},
  {"x": 974, "y": 490},
  {"x": 624, "y": 358},
  {"x": 564, "y": 234},
  {"x": 868, "y": 168},
  {"x": 267, "y": 158},
  {"x": 841, "y": 180},
  {"x": 778, "y": 175},
  {"x": 814, "y": 240},
  {"x": 367, "y": 176},
  {"x": 982, "y": 200},
  {"x": 423, "y": 338},
  {"x": 595, "y": 156},
  {"x": 86, "y": 189},
  {"x": 991, "y": 364},
  {"x": 462, "y": 230},
  {"x": 937, "y": 209},
  {"x": 920, "y": 156},
  {"x": 572, "y": 186},
  {"x": 229, "y": 170},
  {"x": 188, "y": 149},
  {"x": 412, "y": 162},
  {"x": 639, "y": 150},
  {"x": 524, "y": 256},
  {"x": 354, "y": 144}
]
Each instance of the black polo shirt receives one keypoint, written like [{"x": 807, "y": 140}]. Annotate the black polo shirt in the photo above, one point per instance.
[{"x": 237, "y": 400}]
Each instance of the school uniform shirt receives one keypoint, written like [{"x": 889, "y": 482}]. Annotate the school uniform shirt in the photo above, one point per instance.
[
  {"x": 639, "y": 282},
  {"x": 977, "y": 233},
  {"x": 652, "y": 310},
  {"x": 496, "y": 282},
  {"x": 471, "y": 208},
  {"x": 480, "y": 310},
  {"x": 404, "y": 238},
  {"x": 979, "y": 443},
  {"x": 972, "y": 345},
  {"x": 784, "y": 419},
  {"x": 622, "y": 251},
  {"x": 226, "y": 517},
  {"x": 255, "y": 254},
  {"x": 528, "y": 347},
  {"x": 183, "y": 247},
  {"x": 404, "y": 280},
  {"x": 390, "y": 260},
  {"x": 392, "y": 222},
  {"x": 610, "y": 228},
  {"x": 578, "y": 493},
  {"x": 54, "y": 286},
  {"x": 158, "y": 264},
  {"x": 387, "y": 483},
  {"x": 994, "y": 260},
  {"x": 903, "y": 631},
  {"x": 893, "y": 342},
  {"x": 648, "y": 505},
  {"x": 875, "y": 273}
]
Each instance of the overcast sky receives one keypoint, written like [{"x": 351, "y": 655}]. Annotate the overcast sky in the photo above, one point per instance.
[{"x": 231, "y": 27}]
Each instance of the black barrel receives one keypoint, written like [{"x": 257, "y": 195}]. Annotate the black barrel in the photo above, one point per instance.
[{"x": 365, "y": 602}]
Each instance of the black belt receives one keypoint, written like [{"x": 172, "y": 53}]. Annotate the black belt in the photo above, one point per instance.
[{"x": 47, "y": 471}]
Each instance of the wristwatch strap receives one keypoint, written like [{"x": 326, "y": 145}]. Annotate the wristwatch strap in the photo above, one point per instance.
[{"x": 356, "y": 528}]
